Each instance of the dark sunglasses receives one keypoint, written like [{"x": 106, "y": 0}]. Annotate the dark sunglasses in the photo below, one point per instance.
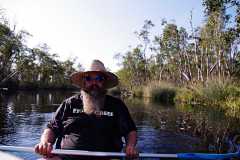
[{"x": 98, "y": 78}]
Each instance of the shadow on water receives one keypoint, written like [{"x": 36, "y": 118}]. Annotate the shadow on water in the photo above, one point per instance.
[{"x": 161, "y": 128}]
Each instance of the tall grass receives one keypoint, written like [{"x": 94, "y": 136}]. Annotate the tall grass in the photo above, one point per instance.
[
  {"x": 160, "y": 92},
  {"x": 215, "y": 94},
  {"x": 219, "y": 94}
]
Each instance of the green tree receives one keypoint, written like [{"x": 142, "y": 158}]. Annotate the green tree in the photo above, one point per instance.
[
  {"x": 12, "y": 49},
  {"x": 218, "y": 39}
]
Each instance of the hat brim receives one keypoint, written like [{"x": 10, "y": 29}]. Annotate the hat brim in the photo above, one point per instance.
[{"x": 111, "y": 80}]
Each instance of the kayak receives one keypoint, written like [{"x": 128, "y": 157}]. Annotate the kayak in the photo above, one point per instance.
[{"x": 8, "y": 156}]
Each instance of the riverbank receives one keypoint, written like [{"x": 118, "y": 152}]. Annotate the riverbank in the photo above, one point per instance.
[
  {"x": 35, "y": 86},
  {"x": 215, "y": 94}
]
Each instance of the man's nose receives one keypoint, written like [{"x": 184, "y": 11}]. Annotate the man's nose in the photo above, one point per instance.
[{"x": 94, "y": 81}]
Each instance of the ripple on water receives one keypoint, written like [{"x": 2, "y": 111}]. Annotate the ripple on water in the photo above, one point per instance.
[{"x": 153, "y": 140}]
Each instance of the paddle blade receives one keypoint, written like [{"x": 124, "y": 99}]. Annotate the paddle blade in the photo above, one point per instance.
[{"x": 202, "y": 156}]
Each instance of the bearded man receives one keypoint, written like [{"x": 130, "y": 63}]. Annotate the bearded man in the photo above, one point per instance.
[{"x": 92, "y": 120}]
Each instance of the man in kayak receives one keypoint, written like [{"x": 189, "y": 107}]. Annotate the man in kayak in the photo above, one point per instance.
[{"x": 92, "y": 120}]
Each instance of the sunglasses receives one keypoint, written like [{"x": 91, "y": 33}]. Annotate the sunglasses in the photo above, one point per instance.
[{"x": 98, "y": 78}]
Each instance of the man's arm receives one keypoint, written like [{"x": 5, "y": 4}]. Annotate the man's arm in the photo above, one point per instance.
[
  {"x": 127, "y": 129},
  {"x": 49, "y": 135},
  {"x": 46, "y": 143},
  {"x": 131, "y": 150},
  {"x": 132, "y": 138}
]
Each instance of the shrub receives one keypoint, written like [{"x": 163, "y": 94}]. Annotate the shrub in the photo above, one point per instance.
[
  {"x": 184, "y": 95},
  {"x": 138, "y": 92},
  {"x": 232, "y": 106},
  {"x": 163, "y": 95},
  {"x": 116, "y": 92},
  {"x": 160, "y": 92}
]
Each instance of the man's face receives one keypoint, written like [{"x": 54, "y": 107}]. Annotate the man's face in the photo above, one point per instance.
[{"x": 94, "y": 83}]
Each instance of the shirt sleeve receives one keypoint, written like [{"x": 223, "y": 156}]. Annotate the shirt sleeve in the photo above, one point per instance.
[
  {"x": 56, "y": 124},
  {"x": 125, "y": 120}
]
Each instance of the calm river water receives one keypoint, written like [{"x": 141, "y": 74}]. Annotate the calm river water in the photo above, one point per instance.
[{"x": 161, "y": 128}]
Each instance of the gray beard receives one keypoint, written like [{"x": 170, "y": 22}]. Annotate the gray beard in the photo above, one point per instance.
[{"x": 92, "y": 102}]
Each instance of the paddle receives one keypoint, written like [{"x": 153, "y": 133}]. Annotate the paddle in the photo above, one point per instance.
[{"x": 118, "y": 154}]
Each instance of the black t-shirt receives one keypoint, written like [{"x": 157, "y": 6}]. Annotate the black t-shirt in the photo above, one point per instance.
[{"x": 101, "y": 131}]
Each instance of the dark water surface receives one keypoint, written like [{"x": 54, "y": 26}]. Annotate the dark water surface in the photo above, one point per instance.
[{"x": 161, "y": 128}]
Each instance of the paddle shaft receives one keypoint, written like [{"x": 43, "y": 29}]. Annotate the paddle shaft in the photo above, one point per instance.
[
  {"x": 87, "y": 153},
  {"x": 189, "y": 156}
]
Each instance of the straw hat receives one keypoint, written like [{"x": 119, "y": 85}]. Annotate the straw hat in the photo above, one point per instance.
[{"x": 96, "y": 66}]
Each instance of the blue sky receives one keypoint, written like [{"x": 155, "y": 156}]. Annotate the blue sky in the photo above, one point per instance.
[{"x": 95, "y": 29}]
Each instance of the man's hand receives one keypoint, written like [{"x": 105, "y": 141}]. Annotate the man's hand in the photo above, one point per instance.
[
  {"x": 44, "y": 149},
  {"x": 45, "y": 146},
  {"x": 131, "y": 152}
]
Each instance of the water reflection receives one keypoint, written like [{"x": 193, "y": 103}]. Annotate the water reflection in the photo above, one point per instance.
[
  {"x": 205, "y": 129},
  {"x": 23, "y": 117},
  {"x": 158, "y": 131},
  {"x": 161, "y": 128}
]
